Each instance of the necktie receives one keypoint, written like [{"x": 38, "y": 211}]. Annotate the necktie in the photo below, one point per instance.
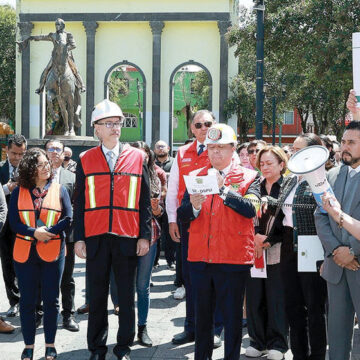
[
  {"x": 201, "y": 149},
  {"x": 14, "y": 174},
  {"x": 222, "y": 173},
  {"x": 111, "y": 159}
]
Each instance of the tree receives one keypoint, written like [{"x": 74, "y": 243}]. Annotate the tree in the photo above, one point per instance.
[
  {"x": 7, "y": 63},
  {"x": 307, "y": 47}
]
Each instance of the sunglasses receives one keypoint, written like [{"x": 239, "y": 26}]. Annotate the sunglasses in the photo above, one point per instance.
[
  {"x": 206, "y": 124},
  {"x": 55, "y": 149},
  {"x": 253, "y": 151}
]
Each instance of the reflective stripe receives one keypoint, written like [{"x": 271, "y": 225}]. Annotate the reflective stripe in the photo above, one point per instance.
[
  {"x": 92, "y": 199},
  {"x": 132, "y": 192},
  {"x": 50, "y": 218},
  {"x": 26, "y": 217}
]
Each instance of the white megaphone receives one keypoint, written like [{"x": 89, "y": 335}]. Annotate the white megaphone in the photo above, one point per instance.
[{"x": 310, "y": 163}]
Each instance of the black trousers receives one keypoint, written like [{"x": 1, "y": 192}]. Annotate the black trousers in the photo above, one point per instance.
[
  {"x": 212, "y": 285},
  {"x": 265, "y": 310},
  {"x": 104, "y": 254},
  {"x": 68, "y": 283},
  {"x": 6, "y": 253},
  {"x": 168, "y": 244},
  {"x": 305, "y": 297}
]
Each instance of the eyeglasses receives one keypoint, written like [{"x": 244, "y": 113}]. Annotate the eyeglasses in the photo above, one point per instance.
[
  {"x": 110, "y": 124},
  {"x": 206, "y": 124},
  {"x": 55, "y": 149},
  {"x": 252, "y": 151},
  {"x": 160, "y": 146},
  {"x": 43, "y": 166}
]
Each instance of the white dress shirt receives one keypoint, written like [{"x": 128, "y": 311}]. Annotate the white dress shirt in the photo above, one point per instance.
[
  {"x": 173, "y": 188},
  {"x": 115, "y": 150}
]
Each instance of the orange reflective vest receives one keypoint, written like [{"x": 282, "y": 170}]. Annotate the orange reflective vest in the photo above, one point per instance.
[
  {"x": 49, "y": 214},
  {"x": 189, "y": 160},
  {"x": 219, "y": 235},
  {"x": 112, "y": 198}
]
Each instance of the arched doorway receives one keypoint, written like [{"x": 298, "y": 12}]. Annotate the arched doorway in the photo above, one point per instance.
[
  {"x": 190, "y": 90},
  {"x": 125, "y": 85}
]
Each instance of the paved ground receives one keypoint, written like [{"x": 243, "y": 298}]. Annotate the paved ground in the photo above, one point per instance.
[{"x": 166, "y": 318}]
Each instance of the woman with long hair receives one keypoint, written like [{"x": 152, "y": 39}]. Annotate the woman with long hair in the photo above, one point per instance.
[
  {"x": 40, "y": 211},
  {"x": 146, "y": 263},
  {"x": 267, "y": 324}
]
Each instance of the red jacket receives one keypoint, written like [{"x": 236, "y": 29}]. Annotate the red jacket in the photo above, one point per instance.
[
  {"x": 112, "y": 198},
  {"x": 189, "y": 160},
  {"x": 219, "y": 235}
]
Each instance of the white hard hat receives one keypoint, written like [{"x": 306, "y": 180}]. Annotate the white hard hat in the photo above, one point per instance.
[
  {"x": 220, "y": 134},
  {"x": 106, "y": 109}
]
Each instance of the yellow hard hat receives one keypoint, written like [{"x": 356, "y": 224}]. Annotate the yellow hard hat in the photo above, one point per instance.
[
  {"x": 220, "y": 134},
  {"x": 106, "y": 109}
]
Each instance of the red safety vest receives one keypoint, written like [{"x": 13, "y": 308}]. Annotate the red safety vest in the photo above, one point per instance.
[
  {"x": 112, "y": 198},
  {"x": 189, "y": 160},
  {"x": 219, "y": 235},
  {"x": 49, "y": 214}
]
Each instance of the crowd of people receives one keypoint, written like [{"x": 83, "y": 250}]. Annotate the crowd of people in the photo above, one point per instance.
[{"x": 120, "y": 204}]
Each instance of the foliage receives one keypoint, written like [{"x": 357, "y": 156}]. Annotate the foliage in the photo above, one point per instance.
[
  {"x": 7, "y": 63},
  {"x": 308, "y": 48},
  {"x": 118, "y": 85}
]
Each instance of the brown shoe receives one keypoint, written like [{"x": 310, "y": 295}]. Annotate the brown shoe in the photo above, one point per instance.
[
  {"x": 84, "y": 309},
  {"x": 6, "y": 328}
]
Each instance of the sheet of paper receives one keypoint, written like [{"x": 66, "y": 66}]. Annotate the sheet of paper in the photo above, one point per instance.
[
  {"x": 356, "y": 64},
  {"x": 205, "y": 185},
  {"x": 259, "y": 273},
  {"x": 310, "y": 251}
]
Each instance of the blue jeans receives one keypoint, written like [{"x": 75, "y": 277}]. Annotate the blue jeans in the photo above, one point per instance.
[
  {"x": 31, "y": 274},
  {"x": 145, "y": 265}
]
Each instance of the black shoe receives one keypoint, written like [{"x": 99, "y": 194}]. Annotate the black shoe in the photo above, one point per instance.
[
  {"x": 183, "y": 338},
  {"x": 143, "y": 336},
  {"x": 50, "y": 352},
  {"x": 217, "y": 341},
  {"x": 27, "y": 354},
  {"x": 13, "y": 311},
  {"x": 70, "y": 324},
  {"x": 125, "y": 357},
  {"x": 171, "y": 266}
]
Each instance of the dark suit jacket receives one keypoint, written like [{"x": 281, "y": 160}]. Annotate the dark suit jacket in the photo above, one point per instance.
[
  {"x": 4, "y": 175},
  {"x": 5, "y": 234}
]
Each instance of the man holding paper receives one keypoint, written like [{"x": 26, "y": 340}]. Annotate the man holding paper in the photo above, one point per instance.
[{"x": 221, "y": 242}]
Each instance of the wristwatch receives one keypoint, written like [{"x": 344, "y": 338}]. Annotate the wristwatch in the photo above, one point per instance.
[
  {"x": 351, "y": 251},
  {"x": 223, "y": 192}
]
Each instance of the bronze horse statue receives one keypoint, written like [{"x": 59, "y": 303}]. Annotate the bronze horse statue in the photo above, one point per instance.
[{"x": 60, "y": 77}]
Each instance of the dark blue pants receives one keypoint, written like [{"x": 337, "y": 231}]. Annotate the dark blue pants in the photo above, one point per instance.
[
  {"x": 32, "y": 275},
  {"x": 190, "y": 305},
  {"x": 213, "y": 285}
]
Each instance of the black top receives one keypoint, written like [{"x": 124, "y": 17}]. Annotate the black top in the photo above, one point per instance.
[
  {"x": 17, "y": 226},
  {"x": 166, "y": 165},
  {"x": 264, "y": 223}
]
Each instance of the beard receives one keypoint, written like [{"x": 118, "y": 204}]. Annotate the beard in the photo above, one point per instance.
[
  {"x": 161, "y": 156},
  {"x": 352, "y": 160}
]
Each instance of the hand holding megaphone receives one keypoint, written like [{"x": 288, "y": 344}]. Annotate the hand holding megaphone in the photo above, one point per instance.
[{"x": 331, "y": 205}]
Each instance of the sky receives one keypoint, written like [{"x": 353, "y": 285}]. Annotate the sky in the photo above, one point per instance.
[
  {"x": 11, "y": 2},
  {"x": 247, "y": 3}
]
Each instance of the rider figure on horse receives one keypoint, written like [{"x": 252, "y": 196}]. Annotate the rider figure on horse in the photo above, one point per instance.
[{"x": 61, "y": 37}]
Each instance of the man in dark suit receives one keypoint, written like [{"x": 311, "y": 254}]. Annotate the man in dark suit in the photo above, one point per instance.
[
  {"x": 112, "y": 226},
  {"x": 8, "y": 171},
  {"x": 55, "y": 152}
]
